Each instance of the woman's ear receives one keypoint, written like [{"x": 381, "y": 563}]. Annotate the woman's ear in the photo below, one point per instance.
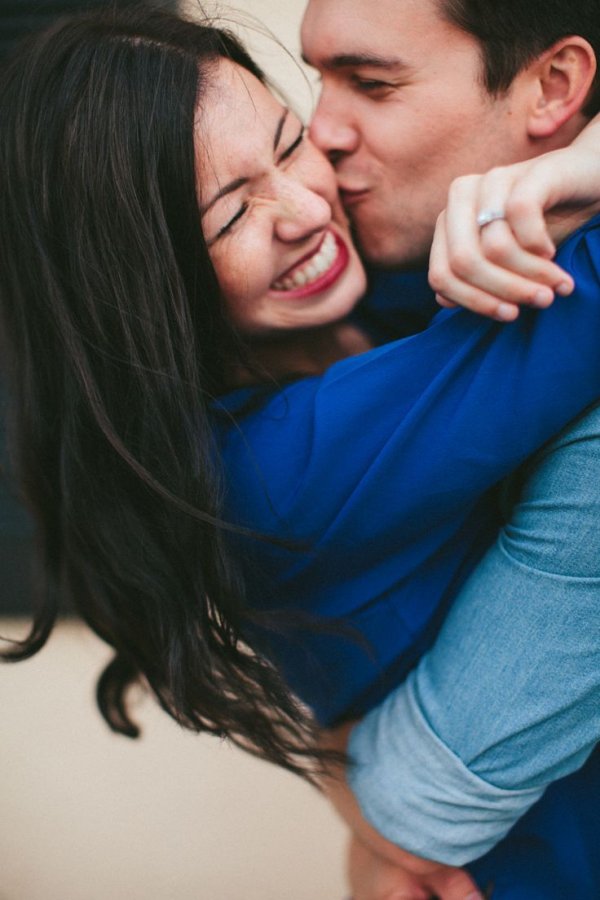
[{"x": 561, "y": 79}]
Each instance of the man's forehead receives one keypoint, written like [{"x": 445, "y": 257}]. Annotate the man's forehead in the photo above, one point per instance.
[{"x": 359, "y": 32}]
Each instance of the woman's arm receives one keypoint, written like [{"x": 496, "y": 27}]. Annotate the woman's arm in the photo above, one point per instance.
[
  {"x": 377, "y": 466},
  {"x": 494, "y": 269},
  {"x": 430, "y": 416}
]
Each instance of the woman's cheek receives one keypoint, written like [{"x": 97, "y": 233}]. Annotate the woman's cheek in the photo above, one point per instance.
[{"x": 245, "y": 278}]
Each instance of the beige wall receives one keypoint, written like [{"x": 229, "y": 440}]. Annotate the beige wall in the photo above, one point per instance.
[
  {"x": 276, "y": 47},
  {"x": 87, "y": 815}
]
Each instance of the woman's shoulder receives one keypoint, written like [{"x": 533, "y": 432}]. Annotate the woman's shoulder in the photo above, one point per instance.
[{"x": 581, "y": 247}]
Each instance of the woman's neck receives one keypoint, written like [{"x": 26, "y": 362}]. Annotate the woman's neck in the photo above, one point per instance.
[{"x": 308, "y": 352}]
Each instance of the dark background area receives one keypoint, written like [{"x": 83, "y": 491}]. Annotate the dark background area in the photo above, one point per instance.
[{"x": 17, "y": 19}]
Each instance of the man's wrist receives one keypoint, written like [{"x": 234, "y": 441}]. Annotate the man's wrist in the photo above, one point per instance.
[{"x": 418, "y": 794}]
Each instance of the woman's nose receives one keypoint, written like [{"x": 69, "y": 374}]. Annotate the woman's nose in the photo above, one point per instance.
[{"x": 302, "y": 211}]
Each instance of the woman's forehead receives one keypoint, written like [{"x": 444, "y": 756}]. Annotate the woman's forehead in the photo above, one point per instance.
[
  {"x": 235, "y": 98},
  {"x": 236, "y": 124}
]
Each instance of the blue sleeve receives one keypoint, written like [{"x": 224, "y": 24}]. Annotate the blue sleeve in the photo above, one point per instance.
[{"x": 433, "y": 420}]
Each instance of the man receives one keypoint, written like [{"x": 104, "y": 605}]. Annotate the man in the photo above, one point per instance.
[{"x": 414, "y": 94}]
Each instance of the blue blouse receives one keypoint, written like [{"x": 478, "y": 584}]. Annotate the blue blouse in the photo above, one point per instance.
[{"x": 380, "y": 471}]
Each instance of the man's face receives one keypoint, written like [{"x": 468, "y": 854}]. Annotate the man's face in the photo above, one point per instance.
[{"x": 402, "y": 112}]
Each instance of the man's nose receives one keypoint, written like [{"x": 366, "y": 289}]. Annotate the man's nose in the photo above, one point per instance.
[{"x": 331, "y": 128}]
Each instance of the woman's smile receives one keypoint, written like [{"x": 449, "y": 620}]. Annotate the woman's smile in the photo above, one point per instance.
[
  {"x": 317, "y": 271},
  {"x": 274, "y": 225}
]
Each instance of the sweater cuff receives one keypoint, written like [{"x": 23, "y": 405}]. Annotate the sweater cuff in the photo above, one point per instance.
[{"x": 418, "y": 794}]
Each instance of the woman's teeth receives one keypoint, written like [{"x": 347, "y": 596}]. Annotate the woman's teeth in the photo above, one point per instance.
[{"x": 313, "y": 268}]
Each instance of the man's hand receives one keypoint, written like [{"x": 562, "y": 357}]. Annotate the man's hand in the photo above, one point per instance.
[
  {"x": 372, "y": 877},
  {"x": 378, "y": 869}
]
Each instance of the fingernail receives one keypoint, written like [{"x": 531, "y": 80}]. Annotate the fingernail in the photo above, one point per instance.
[
  {"x": 474, "y": 896},
  {"x": 506, "y": 312},
  {"x": 542, "y": 298},
  {"x": 565, "y": 288}
]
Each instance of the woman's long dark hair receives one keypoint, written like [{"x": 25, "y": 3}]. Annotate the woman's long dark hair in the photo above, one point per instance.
[{"x": 114, "y": 342}]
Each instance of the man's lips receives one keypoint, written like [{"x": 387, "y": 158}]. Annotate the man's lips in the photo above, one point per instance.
[{"x": 350, "y": 195}]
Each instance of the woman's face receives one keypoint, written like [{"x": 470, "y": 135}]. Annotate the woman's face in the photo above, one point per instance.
[{"x": 276, "y": 232}]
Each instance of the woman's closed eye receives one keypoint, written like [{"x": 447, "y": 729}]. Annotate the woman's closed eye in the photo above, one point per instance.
[
  {"x": 287, "y": 154},
  {"x": 231, "y": 222}
]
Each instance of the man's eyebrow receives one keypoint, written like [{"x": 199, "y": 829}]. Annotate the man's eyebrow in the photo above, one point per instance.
[
  {"x": 351, "y": 60},
  {"x": 222, "y": 192}
]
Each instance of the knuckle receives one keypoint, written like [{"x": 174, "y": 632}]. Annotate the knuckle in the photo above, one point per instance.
[
  {"x": 438, "y": 278},
  {"x": 497, "y": 248},
  {"x": 518, "y": 206},
  {"x": 496, "y": 174},
  {"x": 463, "y": 262},
  {"x": 462, "y": 185}
]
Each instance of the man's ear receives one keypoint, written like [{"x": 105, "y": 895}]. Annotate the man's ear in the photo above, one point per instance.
[{"x": 561, "y": 79}]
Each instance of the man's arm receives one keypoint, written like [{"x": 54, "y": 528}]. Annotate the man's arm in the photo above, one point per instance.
[
  {"x": 377, "y": 868},
  {"x": 404, "y": 769},
  {"x": 508, "y": 699}
]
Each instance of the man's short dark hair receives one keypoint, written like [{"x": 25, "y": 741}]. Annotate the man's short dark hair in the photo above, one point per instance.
[{"x": 513, "y": 32}]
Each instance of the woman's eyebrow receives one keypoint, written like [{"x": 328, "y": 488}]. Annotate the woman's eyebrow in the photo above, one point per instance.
[
  {"x": 240, "y": 182},
  {"x": 222, "y": 192}
]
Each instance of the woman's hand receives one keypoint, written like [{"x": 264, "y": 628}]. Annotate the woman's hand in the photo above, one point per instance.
[{"x": 494, "y": 268}]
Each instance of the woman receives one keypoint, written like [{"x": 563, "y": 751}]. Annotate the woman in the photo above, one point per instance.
[{"x": 179, "y": 305}]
